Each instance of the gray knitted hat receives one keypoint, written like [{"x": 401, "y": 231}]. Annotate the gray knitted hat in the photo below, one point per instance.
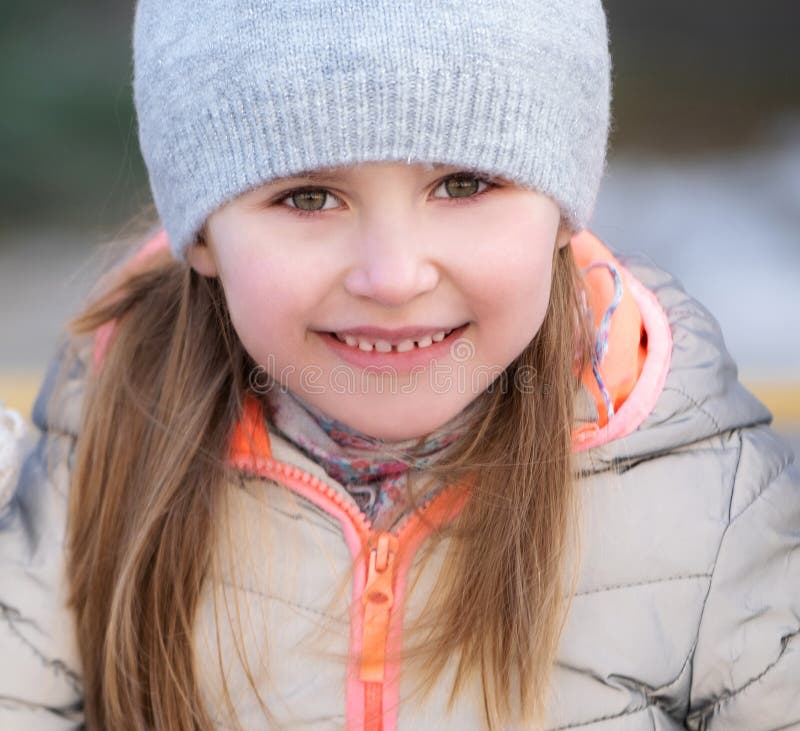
[{"x": 231, "y": 94}]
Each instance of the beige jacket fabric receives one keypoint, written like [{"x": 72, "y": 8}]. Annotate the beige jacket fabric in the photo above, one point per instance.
[{"x": 687, "y": 613}]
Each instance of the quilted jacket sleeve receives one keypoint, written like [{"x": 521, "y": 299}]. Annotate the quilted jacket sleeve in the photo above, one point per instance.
[
  {"x": 746, "y": 670},
  {"x": 40, "y": 685}
]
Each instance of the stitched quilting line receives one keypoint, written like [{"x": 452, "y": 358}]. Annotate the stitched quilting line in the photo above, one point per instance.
[
  {"x": 10, "y": 615},
  {"x": 611, "y": 587},
  {"x": 732, "y": 694},
  {"x": 609, "y": 717},
  {"x": 707, "y": 710},
  {"x": 72, "y": 712},
  {"x": 246, "y": 483},
  {"x": 716, "y": 558},
  {"x": 696, "y": 404},
  {"x": 650, "y": 705},
  {"x": 772, "y": 476},
  {"x": 273, "y": 597},
  {"x": 338, "y": 719}
]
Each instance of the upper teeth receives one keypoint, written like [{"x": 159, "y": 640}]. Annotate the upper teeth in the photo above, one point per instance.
[{"x": 384, "y": 346}]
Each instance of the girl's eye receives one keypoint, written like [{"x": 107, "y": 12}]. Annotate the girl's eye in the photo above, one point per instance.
[
  {"x": 309, "y": 200},
  {"x": 463, "y": 185}
]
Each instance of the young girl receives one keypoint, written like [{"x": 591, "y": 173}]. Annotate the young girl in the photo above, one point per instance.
[{"x": 369, "y": 432}]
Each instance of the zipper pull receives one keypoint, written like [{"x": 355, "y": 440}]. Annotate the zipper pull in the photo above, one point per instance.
[{"x": 377, "y": 599}]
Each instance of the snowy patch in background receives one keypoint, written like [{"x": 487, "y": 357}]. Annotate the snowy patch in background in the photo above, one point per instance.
[{"x": 727, "y": 225}]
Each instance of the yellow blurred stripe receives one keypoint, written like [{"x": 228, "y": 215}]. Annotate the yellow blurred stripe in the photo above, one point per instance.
[
  {"x": 782, "y": 398},
  {"x": 18, "y": 389}
]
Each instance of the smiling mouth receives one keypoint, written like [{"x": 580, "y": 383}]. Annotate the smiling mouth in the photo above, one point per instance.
[{"x": 368, "y": 345}]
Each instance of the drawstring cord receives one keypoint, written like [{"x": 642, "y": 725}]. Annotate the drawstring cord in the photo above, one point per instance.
[{"x": 601, "y": 338}]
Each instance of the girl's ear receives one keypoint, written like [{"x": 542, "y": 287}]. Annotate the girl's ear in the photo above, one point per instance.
[
  {"x": 201, "y": 259},
  {"x": 564, "y": 235}
]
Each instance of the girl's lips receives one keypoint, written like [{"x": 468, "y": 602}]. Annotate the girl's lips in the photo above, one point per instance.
[
  {"x": 393, "y": 336},
  {"x": 414, "y": 358}
]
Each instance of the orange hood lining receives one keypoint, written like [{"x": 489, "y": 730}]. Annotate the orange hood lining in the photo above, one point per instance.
[{"x": 627, "y": 338}]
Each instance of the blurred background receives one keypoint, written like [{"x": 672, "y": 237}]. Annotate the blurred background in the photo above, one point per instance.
[{"x": 703, "y": 177}]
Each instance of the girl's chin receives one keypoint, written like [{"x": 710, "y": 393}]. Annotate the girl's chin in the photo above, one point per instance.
[{"x": 393, "y": 420}]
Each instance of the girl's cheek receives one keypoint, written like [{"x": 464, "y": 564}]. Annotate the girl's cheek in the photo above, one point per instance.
[{"x": 515, "y": 264}]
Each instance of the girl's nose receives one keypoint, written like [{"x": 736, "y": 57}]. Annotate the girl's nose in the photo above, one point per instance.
[{"x": 392, "y": 268}]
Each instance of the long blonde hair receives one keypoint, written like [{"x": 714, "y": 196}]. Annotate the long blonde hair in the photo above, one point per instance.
[{"x": 150, "y": 476}]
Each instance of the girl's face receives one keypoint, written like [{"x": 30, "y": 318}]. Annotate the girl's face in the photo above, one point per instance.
[{"x": 366, "y": 252}]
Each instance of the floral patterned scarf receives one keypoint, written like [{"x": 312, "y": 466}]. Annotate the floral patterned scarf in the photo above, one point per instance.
[{"x": 364, "y": 465}]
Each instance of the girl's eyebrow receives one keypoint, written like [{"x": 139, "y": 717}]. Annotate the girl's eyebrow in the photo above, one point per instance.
[
  {"x": 326, "y": 176},
  {"x": 312, "y": 175}
]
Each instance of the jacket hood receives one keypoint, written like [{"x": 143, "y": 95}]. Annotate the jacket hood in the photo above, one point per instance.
[{"x": 700, "y": 395}]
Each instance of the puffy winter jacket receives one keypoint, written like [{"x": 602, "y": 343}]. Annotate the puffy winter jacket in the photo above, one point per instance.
[{"x": 688, "y": 603}]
